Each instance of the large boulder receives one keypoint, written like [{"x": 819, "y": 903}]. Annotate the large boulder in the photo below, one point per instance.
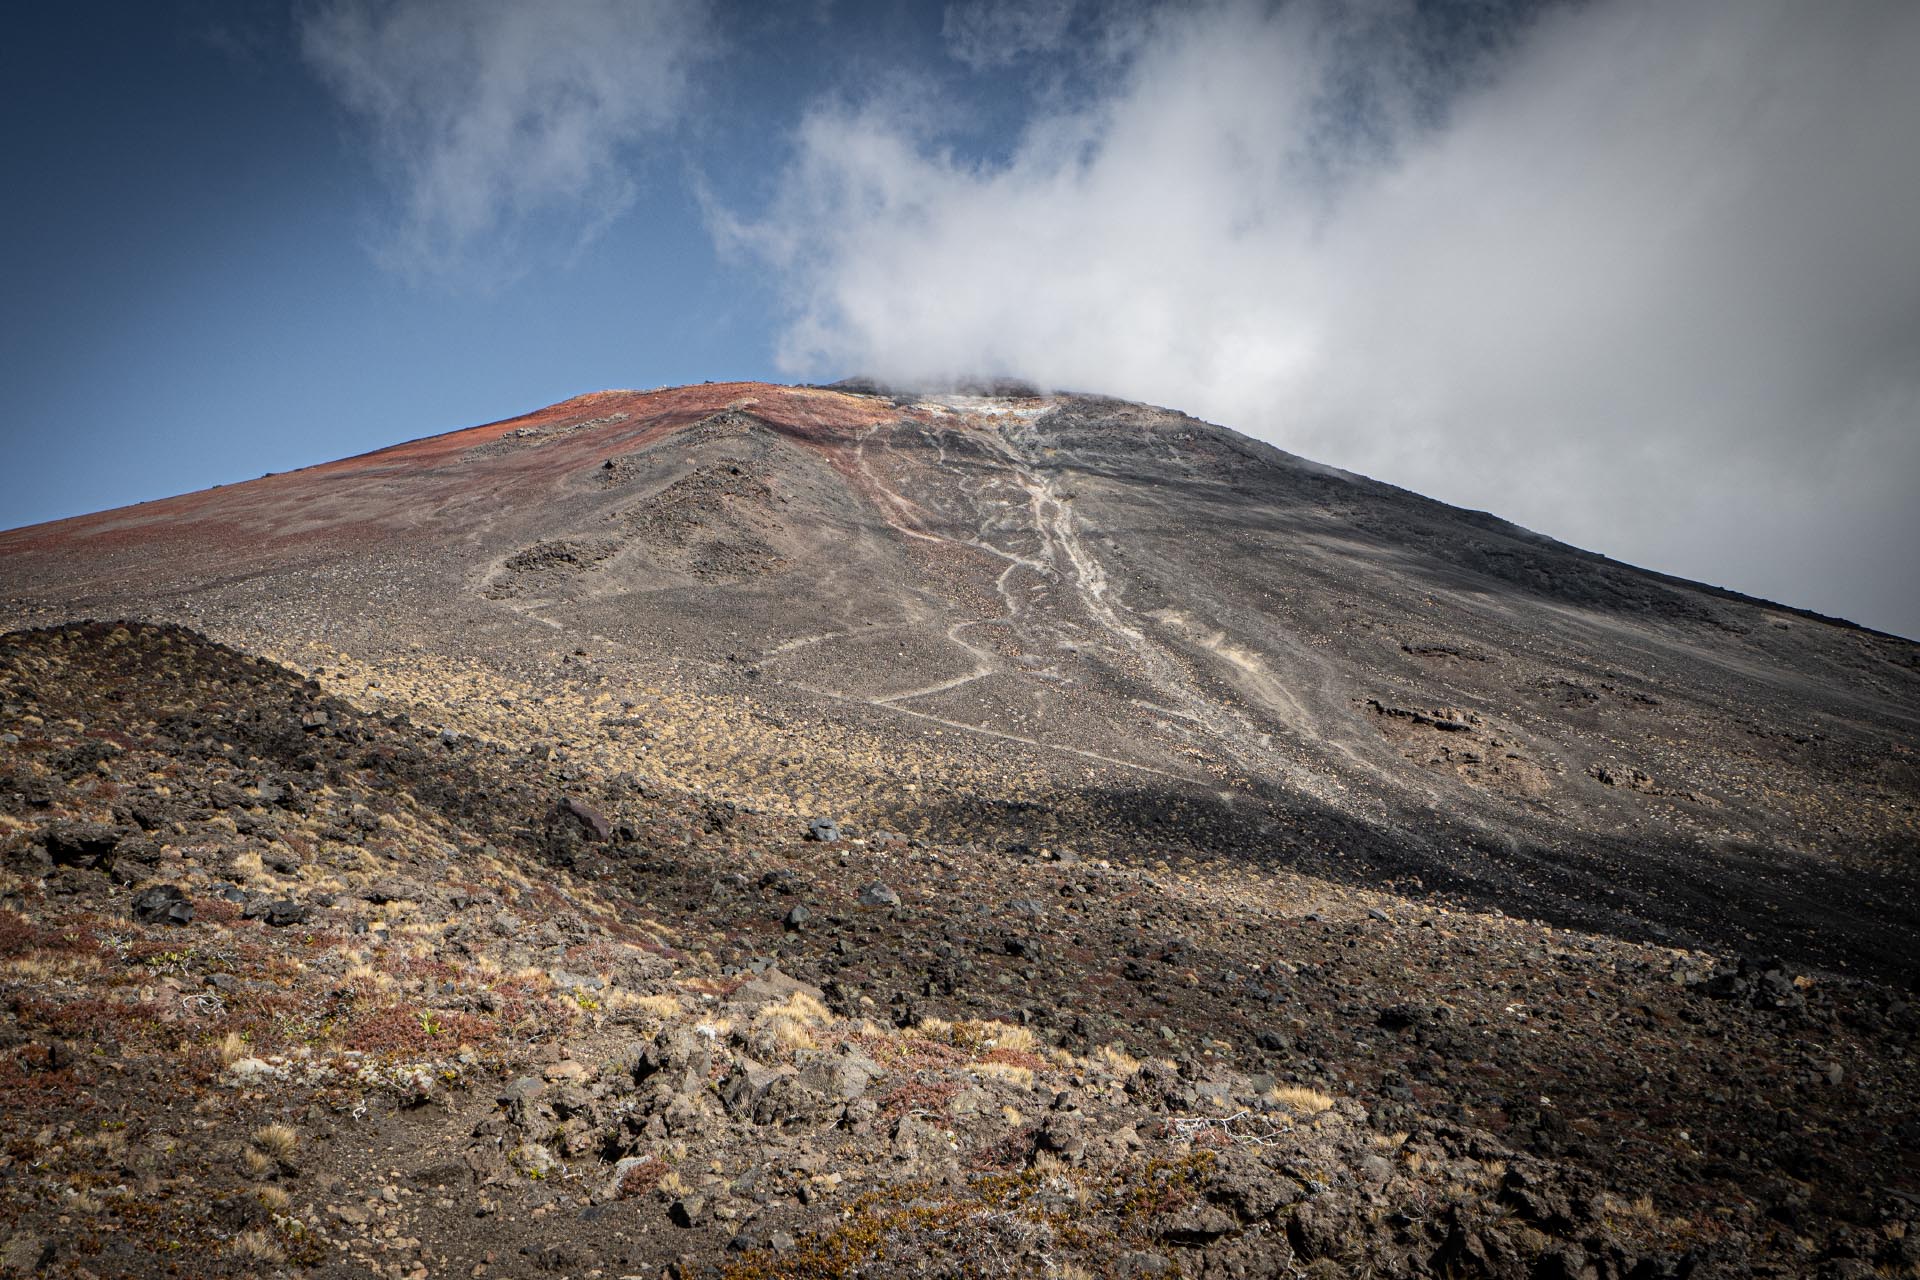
[
  {"x": 162, "y": 904},
  {"x": 840, "y": 1078},
  {"x": 571, "y": 826},
  {"x": 571, "y": 815},
  {"x": 82, "y": 844},
  {"x": 678, "y": 1061}
]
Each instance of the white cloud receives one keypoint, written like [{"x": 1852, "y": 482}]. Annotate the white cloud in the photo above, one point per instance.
[
  {"x": 505, "y": 125},
  {"x": 1650, "y": 282}
]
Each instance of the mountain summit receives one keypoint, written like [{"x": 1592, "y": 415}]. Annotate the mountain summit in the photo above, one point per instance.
[{"x": 1059, "y": 714}]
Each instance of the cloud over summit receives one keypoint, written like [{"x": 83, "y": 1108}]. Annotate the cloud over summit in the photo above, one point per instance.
[
  {"x": 1645, "y": 276},
  {"x": 1641, "y": 275}
]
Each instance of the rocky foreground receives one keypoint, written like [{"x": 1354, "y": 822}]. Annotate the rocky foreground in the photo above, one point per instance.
[{"x": 295, "y": 985}]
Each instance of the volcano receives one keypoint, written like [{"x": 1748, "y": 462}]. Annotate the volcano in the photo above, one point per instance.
[{"x": 946, "y": 726}]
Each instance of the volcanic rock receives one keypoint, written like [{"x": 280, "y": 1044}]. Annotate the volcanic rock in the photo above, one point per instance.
[{"x": 162, "y": 904}]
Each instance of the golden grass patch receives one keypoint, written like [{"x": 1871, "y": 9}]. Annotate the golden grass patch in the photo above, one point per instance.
[
  {"x": 254, "y": 1246},
  {"x": 660, "y": 1006},
  {"x": 277, "y": 1140},
  {"x": 1299, "y": 1098},
  {"x": 1010, "y": 1072}
]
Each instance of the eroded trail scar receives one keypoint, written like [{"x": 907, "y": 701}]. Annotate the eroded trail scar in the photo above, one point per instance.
[{"x": 1072, "y": 559}]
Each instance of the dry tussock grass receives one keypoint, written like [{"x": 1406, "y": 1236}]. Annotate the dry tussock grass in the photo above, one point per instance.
[
  {"x": 1640, "y": 1208},
  {"x": 662, "y": 1006},
  {"x": 802, "y": 1007},
  {"x": 254, "y": 1246},
  {"x": 977, "y": 1035},
  {"x": 47, "y": 967},
  {"x": 1004, "y": 1035},
  {"x": 1299, "y": 1098},
  {"x": 380, "y": 979},
  {"x": 278, "y": 1140},
  {"x": 790, "y": 1035},
  {"x": 792, "y": 1021},
  {"x": 1019, "y": 1076}
]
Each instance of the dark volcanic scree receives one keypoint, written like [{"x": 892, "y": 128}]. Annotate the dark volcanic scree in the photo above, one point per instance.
[{"x": 744, "y": 830}]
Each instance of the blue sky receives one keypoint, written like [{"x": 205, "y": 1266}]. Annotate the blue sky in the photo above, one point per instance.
[
  {"x": 1642, "y": 276},
  {"x": 198, "y": 284},
  {"x": 194, "y": 295}
]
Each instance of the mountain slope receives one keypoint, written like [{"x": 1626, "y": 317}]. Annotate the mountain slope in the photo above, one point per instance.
[
  {"x": 803, "y": 831},
  {"x": 1067, "y": 602}
]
